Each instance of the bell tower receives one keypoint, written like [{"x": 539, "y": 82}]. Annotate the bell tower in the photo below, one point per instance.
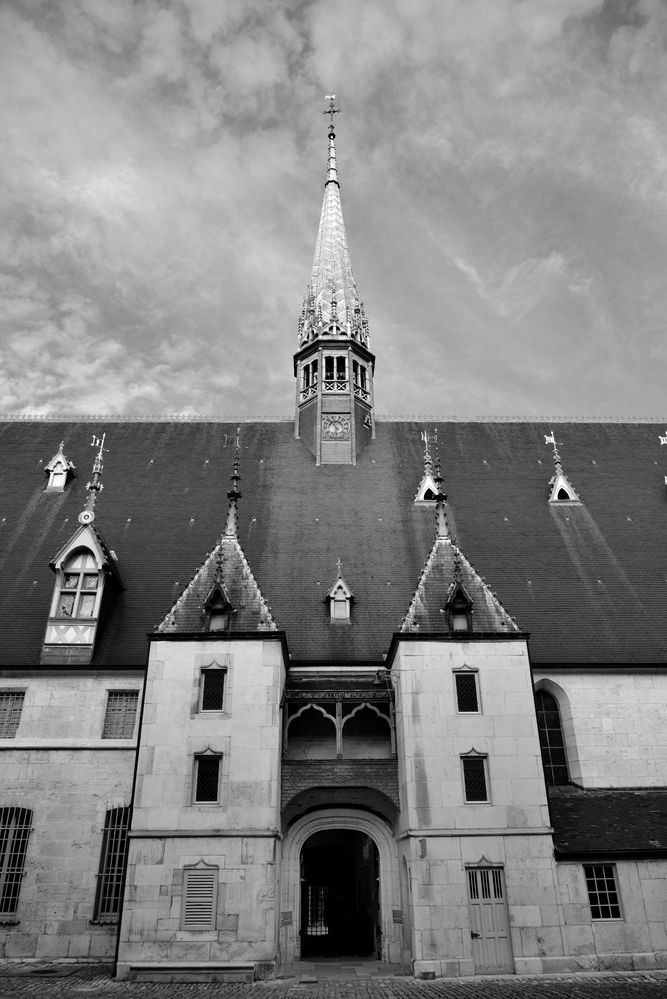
[{"x": 333, "y": 364}]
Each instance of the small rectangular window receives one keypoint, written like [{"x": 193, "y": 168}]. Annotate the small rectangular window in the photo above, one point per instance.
[
  {"x": 15, "y": 826},
  {"x": 212, "y": 689},
  {"x": 121, "y": 714},
  {"x": 602, "y": 891},
  {"x": 328, "y": 369},
  {"x": 11, "y": 705},
  {"x": 200, "y": 890},
  {"x": 466, "y": 692},
  {"x": 207, "y": 777},
  {"x": 112, "y": 865},
  {"x": 474, "y": 778}
]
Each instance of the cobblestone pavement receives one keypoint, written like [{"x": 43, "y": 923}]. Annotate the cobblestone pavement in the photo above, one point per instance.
[{"x": 80, "y": 982}]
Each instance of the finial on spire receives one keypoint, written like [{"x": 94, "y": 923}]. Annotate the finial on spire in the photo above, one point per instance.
[
  {"x": 87, "y": 515},
  {"x": 331, "y": 110},
  {"x": 428, "y": 462},
  {"x": 234, "y": 494},
  {"x": 339, "y": 567},
  {"x": 551, "y": 439},
  {"x": 441, "y": 530}
]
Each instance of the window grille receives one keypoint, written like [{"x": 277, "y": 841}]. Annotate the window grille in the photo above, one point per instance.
[
  {"x": 113, "y": 859},
  {"x": 316, "y": 901},
  {"x": 485, "y": 883},
  {"x": 466, "y": 692},
  {"x": 602, "y": 891},
  {"x": 11, "y": 705},
  {"x": 474, "y": 778},
  {"x": 207, "y": 767},
  {"x": 213, "y": 688},
  {"x": 199, "y": 898},
  {"x": 121, "y": 714},
  {"x": 15, "y": 825},
  {"x": 552, "y": 743}
]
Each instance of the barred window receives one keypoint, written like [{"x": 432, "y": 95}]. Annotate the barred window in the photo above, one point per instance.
[
  {"x": 552, "y": 744},
  {"x": 15, "y": 826},
  {"x": 121, "y": 714},
  {"x": 200, "y": 890},
  {"x": 113, "y": 859},
  {"x": 207, "y": 777},
  {"x": 474, "y": 778},
  {"x": 602, "y": 891},
  {"x": 466, "y": 692},
  {"x": 212, "y": 689},
  {"x": 11, "y": 704}
]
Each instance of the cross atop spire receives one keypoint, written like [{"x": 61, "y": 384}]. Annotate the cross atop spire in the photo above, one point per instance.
[{"x": 331, "y": 110}]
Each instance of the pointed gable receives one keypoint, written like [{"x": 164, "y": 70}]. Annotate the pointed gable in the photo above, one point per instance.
[
  {"x": 447, "y": 586},
  {"x": 224, "y": 582}
]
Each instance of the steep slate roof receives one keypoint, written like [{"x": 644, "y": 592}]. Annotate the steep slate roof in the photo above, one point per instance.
[
  {"x": 446, "y": 568},
  {"x": 228, "y": 567},
  {"x": 589, "y": 582},
  {"x": 608, "y": 822}
]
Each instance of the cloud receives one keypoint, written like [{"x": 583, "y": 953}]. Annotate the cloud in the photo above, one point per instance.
[{"x": 504, "y": 170}]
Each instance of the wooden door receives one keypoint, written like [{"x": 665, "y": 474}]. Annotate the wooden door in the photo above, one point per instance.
[{"x": 489, "y": 920}]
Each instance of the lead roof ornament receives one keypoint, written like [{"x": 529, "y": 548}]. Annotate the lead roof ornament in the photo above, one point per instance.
[{"x": 561, "y": 489}]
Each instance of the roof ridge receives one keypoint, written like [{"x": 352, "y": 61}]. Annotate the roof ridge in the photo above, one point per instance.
[{"x": 386, "y": 418}]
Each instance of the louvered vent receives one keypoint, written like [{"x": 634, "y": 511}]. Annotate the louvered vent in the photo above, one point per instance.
[{"x": 199, "y": 897}]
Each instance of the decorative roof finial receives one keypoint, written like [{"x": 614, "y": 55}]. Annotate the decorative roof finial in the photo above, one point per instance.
[
  {"x": 441, "y": 530},
  {"x": 234, "y": 494},
  {"x": 428, "y": 461},
  {"x": 339, "y": 567},
  {"x": 87, "y": 515},
  {"x": 332, "y": 173},
  {"x": 551, "y": 439}
]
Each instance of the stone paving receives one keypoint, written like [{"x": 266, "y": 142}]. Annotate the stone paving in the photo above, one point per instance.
[{"x": 83, "y": 981}]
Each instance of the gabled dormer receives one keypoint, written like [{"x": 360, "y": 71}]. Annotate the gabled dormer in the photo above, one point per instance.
[
  {"x": 85, "y": 570},
  {"x": 458, "y": 607},
  {"x": 59, "y": 470},
  {"x": 561, "y": 489},
  {"x": 339, "y": 599}
]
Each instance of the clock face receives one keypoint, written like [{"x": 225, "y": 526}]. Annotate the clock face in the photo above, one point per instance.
[{"x": 335, "y": 428}]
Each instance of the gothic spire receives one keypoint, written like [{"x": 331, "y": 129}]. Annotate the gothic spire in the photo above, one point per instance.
[
  {"x": 234, "y": 494},
  {"x": 332, "y": 290}
]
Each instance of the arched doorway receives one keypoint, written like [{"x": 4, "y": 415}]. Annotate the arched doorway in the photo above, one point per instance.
[
  {"x": 340, "y": 875},
  {"x": 302, "y": 857}
]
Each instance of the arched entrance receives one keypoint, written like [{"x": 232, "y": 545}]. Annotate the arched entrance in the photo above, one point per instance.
[
  {"x": 364, "y": 886},
  {"x": 340, "y": 874}
]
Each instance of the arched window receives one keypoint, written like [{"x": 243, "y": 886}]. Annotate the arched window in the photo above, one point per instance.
[
  {"x": 76, "y": 594},
  {"x": 552, "y": 744}
]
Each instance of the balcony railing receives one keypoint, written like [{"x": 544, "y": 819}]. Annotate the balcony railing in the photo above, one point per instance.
[{"x": 336, "y": 386}]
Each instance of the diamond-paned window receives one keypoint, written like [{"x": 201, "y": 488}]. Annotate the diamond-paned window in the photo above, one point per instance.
[
  {"x": 121, "y": 714},
  {"x": 212, "y": 689},
  {"x": 602, "y": 891},
  {"x": 15, "y": 826},
  {"x": 466, "y": 692},
  {"x": 207, "y": 777},
  {"x": 474, "y": 778},
  {"x": 11, "y": 705}
]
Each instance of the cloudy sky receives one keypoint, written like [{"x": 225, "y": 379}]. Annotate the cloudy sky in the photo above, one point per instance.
[{"x": 503, "y": 166}]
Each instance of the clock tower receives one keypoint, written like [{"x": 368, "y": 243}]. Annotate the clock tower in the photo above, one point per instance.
[{"x": 333, "y": 364}]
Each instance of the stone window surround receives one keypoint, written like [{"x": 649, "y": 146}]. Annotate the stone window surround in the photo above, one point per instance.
[
  {"x": 205, "y": 662},
  {"x": 114, "y": 694},
  {"x": 604, "y": 872},
  {"x": 15, "y": 702},
  {"x": 473, "y": 754}
]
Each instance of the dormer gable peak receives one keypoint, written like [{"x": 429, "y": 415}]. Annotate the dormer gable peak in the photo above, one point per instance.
[
  {"x": 339, "y": 598},
  {"x": 59, "y": 470}
]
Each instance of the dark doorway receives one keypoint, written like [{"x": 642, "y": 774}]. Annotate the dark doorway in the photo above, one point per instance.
[{"x": 339, "y": 895}]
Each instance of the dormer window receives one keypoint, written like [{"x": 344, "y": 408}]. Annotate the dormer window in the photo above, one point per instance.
[
  {"x": 78, "y": 587},
  {"x": 218, "y": 610},
  {"x": 459, "y": 609},
  {"x": 58, "y": 471},
  {"x": 340, "y": 599}
]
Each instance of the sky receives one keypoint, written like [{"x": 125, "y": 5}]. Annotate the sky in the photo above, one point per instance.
[{"x": 503, "y": 169}]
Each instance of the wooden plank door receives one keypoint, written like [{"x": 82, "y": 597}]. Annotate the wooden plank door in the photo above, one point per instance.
[{"x": 489, "y": 920}]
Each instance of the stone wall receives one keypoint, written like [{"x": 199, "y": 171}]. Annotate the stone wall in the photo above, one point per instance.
[
  {"x": 613, "y": 724},
  {"x": 59, "y": 767}
]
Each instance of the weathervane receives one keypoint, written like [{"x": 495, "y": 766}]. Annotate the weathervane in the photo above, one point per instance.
[
  {"x": 87, "y": 515},
  {"x": 331, "y": 110},
  {"x": 551, "y": 439}
]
